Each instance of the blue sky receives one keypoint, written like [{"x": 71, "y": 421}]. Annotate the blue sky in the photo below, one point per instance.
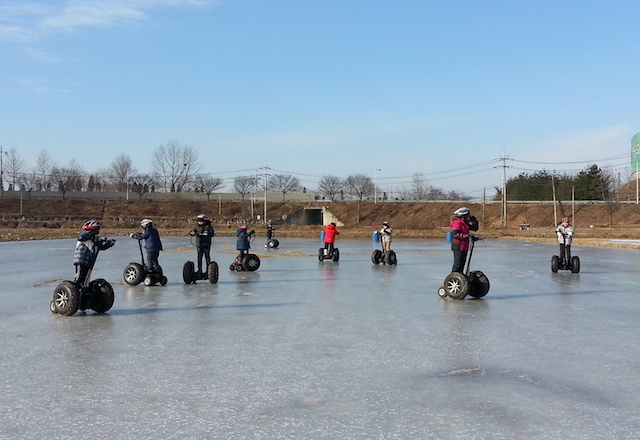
[{"x": 318, "y": 87}]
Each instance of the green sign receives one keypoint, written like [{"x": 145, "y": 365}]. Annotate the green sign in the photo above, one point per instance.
[{"x": 635, "y": 152}]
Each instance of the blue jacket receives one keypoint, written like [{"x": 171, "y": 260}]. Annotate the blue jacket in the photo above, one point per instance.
[
  {"x": 87, "y": 248},
  {"x": 242, "y": 243},
  {"x": 151, "y": 239}
]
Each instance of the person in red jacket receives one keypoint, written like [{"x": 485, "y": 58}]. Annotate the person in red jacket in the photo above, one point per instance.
[
  {"x": 330, "y": 235},
  {"x": 461, "y": 226}
]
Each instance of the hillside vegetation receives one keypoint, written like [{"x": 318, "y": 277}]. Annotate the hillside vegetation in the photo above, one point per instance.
[{"x": 37, "y": 219}]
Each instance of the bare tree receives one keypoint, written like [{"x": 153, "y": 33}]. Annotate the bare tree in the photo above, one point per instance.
[
  {"x": 330, "y": 186},
  {"x": 13, "y": 167},
  {"x": 284, "y": 183},
  {"x": 44, "y": 165},
  {"x": 141, "y": 184},
  {"x": 120, "y": 170},
  {"x": 208, "y": 184},
  {"x": 243, "y": 185},
  {"x": 359, "y": 186},
  {"x": 69, "y": 178},
  {"x": 175, "y": 164},
  {"x": 29, "y": 181}
]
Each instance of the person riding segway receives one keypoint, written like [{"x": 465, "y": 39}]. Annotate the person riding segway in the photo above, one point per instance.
[{"x": 202, "y": 234}]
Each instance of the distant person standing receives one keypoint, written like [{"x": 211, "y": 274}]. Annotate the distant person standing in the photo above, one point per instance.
[
  {"x": 461, "y": 226},
  {"x": 203, "y": 231},
  {"x": 386, "y": 236},
  {"x": 564, "y": 232},
  {"x": 330, "y": 235},
  {"x": 152, "y": 244}
]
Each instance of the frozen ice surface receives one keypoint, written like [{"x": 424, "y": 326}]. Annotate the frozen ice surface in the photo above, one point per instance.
[{"x": 302, "y": 349}]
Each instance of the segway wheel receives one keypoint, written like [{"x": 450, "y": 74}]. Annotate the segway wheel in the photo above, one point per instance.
[
  {"x": 134, "y": 274},
  {"x": 336, "y": 255},
  {"x": 376, "y": 256},
  {"x": 52, "y": 307},
  {"x": 390, "y": 258},
  {"x": 148, "y": 281},
  {"x": 442, "y": 292},
  {"x": 66, "y": 298},
  {"x": 251, "y": 262},
  {"x": 232, "y": 267},
  {"x": 575, "y": 264},
  {"x": 188, "y": 273},
  {"x": 238, "y": 267},
  {"x": 273, "y": 243},
  {"x": 321, "y": 254},
  {"x": 457, "y": 285},
  {"x": 479, "y": 284},
  {"x": 212, "y": 272},
  {"x": 555, "y": 264},
  {"x": 163, "y": 280},
  {"x": 102, "y": 297}
]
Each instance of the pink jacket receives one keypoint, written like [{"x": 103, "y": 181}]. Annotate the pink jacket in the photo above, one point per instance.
[{"x": 460, "y": 231}]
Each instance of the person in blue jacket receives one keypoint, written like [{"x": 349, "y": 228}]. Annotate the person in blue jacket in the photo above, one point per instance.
[
  {"x": 87, "y": 247},
  {"x": 152, "y": 244},
  {"x": 242, "y": 242}
]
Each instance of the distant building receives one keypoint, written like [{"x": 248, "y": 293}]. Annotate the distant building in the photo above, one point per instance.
[{"x": 635, "y": 155}]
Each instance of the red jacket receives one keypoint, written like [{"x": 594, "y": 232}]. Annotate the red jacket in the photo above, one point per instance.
[
  {"x": 460, "y": 231},
  {"x": 330, "y": 234}
]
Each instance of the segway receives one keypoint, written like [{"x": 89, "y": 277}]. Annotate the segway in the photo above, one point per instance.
[
  {"x": 325, "y": 254},
  {"x": 272, "y": 242},
  {"x": 380, "y": 256},
  {"x": 136, "y": 273},
  {"x": 246, "y": 262},
  {"x": 190, "y": 275},
  {"x": 458, "y": 285},
  {"x": 561, "y": 263},
  {"x": 97, "y": 295}
]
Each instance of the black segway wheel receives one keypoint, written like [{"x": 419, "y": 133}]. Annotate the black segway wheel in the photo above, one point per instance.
[
  {"x": 376, "y": 256},
  {"x": 321, "y": 254},
  {"x": 52, "y": 307},
  {"x": 163, "y": 280},
  {"x": 575, "y": 264},
  {"x": 336, "y": 255},
  {"x": 189, "y": 273},
  {"x": 479, "y": 284},
  {"x": 134, "y": 274},
  {"x": 442, "y": 292},
  {"x": 238, "y": 267},
  {"x": 148, "y": 281},
  {"x": 251, "y": 262},
  {"x": 273, "y": 243},
  {"x": 102, "y": 297},
  {"x": 66, "y": 298},
  {"x": 390, "y": 258},
  {"x": 457, "y": 285},
  {"x": 212, "y": 272},
  {"x": 555, "y": 264}
]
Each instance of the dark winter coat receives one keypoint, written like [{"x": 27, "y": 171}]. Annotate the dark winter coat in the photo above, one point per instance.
[
  {"x": 203, "y": 233},
  {"x": 87, "y": 248},
  {"x": 151, "y": 239}
]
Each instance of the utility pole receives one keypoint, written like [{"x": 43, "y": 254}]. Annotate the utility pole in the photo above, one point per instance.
[
  {"x": 504, "y": 167},
  {"x": 265, "y": 191},
  {"x": 375, "y": 185}
]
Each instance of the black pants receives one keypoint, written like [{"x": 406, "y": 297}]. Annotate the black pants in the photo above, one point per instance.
[
  {"x": 565, "y": 252},
  {"x": 204, "y": 251},
  {"x": 328, "y": 246},
  {"x": 459, "y": 258},
  {"x": 152, "y": 261},
  {"x": 81, "y": 274}
]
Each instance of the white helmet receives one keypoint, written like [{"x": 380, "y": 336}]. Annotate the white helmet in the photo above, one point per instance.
[
  {"x": 461, "y": 212},
  {"x": 146, "y": 222}
]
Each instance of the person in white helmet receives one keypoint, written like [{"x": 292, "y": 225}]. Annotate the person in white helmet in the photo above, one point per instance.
[
  {"x": 461, "y": 226},
  {"x": 152, "y": 244}
]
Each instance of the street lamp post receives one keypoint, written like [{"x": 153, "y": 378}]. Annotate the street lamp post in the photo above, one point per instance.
[
  {"x": 2, "y": 153},
  {"x": 375, "y": 185}
]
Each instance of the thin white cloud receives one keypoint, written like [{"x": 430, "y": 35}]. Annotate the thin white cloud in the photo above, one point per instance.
[{"x": 27, "y": 22}]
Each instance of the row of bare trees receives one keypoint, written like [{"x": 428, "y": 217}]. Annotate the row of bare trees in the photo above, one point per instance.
[{"x": 176, "y": 168}]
